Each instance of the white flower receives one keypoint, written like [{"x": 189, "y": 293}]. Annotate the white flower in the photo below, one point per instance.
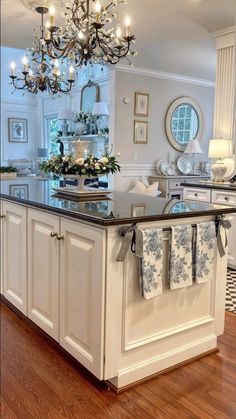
[
  {"x": 104, "y": 168},
  {"x": 80, "y": 161},
  {"x": 104, "y": 160},
  {"x": 65, "y": 158},
  {"x": 97, "y": 166}
]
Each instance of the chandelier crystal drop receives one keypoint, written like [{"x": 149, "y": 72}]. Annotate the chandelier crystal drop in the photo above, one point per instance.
[{"x": 39, "y": 72}]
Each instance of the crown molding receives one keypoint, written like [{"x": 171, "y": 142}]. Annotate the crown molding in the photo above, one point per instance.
[
  {"x": 224, "y": 31},
  {"x": 163, "y": 75},
  {"x": 225, "y": 37}
]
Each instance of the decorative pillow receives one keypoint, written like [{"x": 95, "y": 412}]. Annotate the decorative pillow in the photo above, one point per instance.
[
  {"x": 151, "y": 190},
  {"x": 139, "y": 188}
]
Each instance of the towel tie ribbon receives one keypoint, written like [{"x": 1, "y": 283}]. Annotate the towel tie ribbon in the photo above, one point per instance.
[
  {"x": 133, "y": 239},
  {"x": 226, "y": 225}
]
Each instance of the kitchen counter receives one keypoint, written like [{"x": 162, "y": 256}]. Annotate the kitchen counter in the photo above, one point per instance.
[
  {"x": 117, "y": 208},
  {"x": 60, "y": 270}
]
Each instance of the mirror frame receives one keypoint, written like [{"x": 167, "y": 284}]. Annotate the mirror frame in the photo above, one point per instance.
[
  {"x": 89, "y": 84},
  {"x": 173, "y": 106}
]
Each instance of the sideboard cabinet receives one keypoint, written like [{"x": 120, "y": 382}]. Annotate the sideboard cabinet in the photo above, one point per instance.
[{"x": 221, "y": 197}]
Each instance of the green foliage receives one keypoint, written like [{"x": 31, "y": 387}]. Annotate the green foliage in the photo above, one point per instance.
[
  {"x": 90, "y": 166},
  {"x": 7, "y": 169}
]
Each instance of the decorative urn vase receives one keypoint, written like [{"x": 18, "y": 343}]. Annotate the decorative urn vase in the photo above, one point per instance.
[{"x": 81, "y": 128}]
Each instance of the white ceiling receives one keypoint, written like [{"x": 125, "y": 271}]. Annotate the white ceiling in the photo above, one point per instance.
[{"x": 172, "y": 35}]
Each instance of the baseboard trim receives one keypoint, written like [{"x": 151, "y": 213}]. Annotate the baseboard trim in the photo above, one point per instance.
[{"x": 159, "y": 373}]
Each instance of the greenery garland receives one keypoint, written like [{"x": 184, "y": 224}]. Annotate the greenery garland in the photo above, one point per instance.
[{"x": 90, "y": 166}]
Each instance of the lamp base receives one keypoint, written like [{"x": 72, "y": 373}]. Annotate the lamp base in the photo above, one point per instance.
[{"x": 218, "y": 169}]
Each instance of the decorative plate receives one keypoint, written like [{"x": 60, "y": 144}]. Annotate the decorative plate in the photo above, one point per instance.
[
  {"x": 164, "y": 168},
  {"x": 230, "y": 168},
  {"x": 185, "y": 165},
  {"x": 159, "y": 163}
]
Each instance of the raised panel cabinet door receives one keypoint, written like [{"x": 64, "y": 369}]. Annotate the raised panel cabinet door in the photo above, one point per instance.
[
  {"x": 82, "y": 287},
  {"x": 15, "y": 255},
  {"x": 43, "y": 271},
  {"x": 232, "y": 243}
]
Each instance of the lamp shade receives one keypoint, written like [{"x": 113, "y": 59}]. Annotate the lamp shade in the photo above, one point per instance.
[
  {"x": 193, "y": 147},
  {"x": 65, "y": 113},
  {"x": 42, "y": 152},
  {"x": 100, "y": 108},
  {"x": 220, "y": 148}
]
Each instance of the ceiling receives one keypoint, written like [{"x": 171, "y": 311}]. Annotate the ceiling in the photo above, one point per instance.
[{"x": 173, "y": 36}]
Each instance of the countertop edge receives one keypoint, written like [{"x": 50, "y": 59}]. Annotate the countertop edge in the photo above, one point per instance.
[
  {"x": 116, "y": 222},
  {"x": 209, "y": 186}
]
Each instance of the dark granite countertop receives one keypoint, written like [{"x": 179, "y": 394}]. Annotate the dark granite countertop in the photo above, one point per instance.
[
  {"x": 226, "y": 186},
  {"x": 117, "y": 209}
]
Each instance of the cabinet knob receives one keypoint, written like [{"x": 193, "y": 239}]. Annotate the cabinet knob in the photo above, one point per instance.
[
  {"x": 59, "y": 237},
  {"x": 52, "y": 234},
  {"x": 226, "y": 198},
  {"x": 196, "y": 195},
  {"x": 2, "y": 216}
]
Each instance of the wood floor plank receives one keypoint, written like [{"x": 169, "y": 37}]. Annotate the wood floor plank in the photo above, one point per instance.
[{"x": 39, "y": 382}]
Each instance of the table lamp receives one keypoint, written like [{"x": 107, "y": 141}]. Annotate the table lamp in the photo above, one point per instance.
[
  {"x": 101, "y": 110},
  {"x": 193, "y": 148},
  {"x": 64, "y": 115},
  {"x": 219, "y": 149}
]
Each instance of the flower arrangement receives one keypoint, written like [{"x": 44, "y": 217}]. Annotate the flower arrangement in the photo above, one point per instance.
[
  {"x": 90, "y": 166},
  {"x": 83, "y": 117}
]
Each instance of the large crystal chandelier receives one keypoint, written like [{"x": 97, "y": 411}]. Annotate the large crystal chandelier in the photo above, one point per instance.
[
  {"x": 39, "y": 72},
  {"x": 89, "y": 35}
]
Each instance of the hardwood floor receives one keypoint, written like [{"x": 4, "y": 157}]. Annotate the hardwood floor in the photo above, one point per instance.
[{"x": 38, "y": 382}]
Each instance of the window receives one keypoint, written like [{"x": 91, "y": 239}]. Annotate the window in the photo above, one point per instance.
[{"x": 51, "y": 131}]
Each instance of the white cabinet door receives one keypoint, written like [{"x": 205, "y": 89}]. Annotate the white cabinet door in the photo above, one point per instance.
[
  {"x": 43, "y": 271},
  {"x": 15, "y": 255},
  {"x": 82, "y": 269}
]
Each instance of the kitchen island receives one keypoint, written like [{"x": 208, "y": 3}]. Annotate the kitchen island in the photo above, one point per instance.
[{"x": 60, "y": 270}]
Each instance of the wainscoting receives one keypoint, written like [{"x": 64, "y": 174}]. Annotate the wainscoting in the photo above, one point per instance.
[{"x": 131, "y": 173}]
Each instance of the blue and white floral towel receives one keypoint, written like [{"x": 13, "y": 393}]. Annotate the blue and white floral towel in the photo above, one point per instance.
[
  {"x": 205, "y": 248},
  {"x": 151, "y": 263},
  {"x": 181, "y": 257}
]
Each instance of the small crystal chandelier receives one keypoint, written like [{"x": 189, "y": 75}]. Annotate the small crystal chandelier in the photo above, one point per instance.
[{"x": 39, "y": 73}]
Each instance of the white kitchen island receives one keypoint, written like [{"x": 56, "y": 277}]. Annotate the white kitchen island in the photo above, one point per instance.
[{"x": 60, "y": 271}]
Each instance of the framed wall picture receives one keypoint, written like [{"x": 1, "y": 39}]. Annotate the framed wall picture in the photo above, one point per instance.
[
  {"x": 140, "y": 132},
  {"x": 17, "y": 130},
  {"x": 138, "y": 210},
  {"x": 19, "y": 191},
  {"x": 141, "y": 106}
]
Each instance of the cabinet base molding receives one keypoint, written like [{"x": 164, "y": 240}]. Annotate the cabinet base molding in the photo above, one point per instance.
[
  {"x": 56, "y": 346},
  {"x": 118, "y": 390}
]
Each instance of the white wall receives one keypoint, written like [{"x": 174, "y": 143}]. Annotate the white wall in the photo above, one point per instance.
[
  {"x": 15, "y": 105},
  {"x": 162, "y": 91}
]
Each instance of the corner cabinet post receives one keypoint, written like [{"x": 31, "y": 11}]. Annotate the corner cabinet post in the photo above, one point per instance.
[
  {"x": 82, "y": 289},
  {"x": 14, "y": 252},
  {"x": 43, "y": 271}
]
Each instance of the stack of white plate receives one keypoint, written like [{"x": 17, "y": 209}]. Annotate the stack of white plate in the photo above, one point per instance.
[{"x": 164, "y": 168}]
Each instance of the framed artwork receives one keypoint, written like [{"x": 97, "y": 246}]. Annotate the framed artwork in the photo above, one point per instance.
[
  {"x": 19, "y": 191},
  {"x": 138, "y": 210},
  {"x": 17, "y": 130},
  {"x": 140, "y": 132},
  {"x": 141, "y": 104}
]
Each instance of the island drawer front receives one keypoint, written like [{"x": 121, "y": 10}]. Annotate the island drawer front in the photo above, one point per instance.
[
  {"x": 224, "y": 197},
  {"x": 195, "y": 194},
  {"x": 175, "y": 184}
]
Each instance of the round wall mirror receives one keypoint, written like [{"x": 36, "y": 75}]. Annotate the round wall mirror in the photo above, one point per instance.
[{"x": 184, "y": 122}]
